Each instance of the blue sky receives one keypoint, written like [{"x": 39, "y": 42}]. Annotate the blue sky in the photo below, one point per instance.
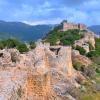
[{"x": 51, "y": 11}]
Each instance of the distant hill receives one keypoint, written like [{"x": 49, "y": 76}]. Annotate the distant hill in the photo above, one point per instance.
[
  {"x": 95, "y": 28},
  {"x": 23, "y": 31}
]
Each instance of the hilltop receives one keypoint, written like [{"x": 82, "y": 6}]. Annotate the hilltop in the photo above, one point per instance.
[{"x": 63, "y": 66}]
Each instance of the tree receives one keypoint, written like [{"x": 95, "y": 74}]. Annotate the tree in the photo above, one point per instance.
[
  {"x": 81, "y": 50},
  {"x": 92, "y": 54},
  {"x": 22, "y": 48},
  {"x": 32, "y": 45},
  {"x": 11, "y": 43}
]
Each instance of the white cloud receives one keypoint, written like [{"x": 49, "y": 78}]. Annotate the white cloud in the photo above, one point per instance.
[
  {"x": 40, "y": 22},
  {"x": 50, "y": 11}
]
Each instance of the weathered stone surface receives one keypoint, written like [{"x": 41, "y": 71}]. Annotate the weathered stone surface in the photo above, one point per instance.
[
  {"x": 45, "y": 73},
  {"x": 89, "y": 37},
  {"x": 76, "y": 57},
  {"x": 67, "y": 25}
]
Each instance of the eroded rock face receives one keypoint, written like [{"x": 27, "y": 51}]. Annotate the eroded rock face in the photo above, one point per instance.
[
  {"x": 45, "y": 73},
  {"x": 77, "y": 58},
  {"x": 89, "y": 38},
  {"x": 63, "y": 59}
]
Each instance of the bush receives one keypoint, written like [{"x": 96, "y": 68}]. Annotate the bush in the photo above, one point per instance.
[
  {"x": 32, "y": 45},
  {"x": 87, "y": 71},
  {"x": 98, "y": 46},
  {"x": 92, "y": 54},
  {"x": 90, "y": 46},
  {"x": 66, "y": 38},
  {"x": 96, "y": 52},
  {"x": 69, "y": 37},
  {"x": 52, "y": 39},
  {"x": 98, "y": 69},
  {"x": 81, "y": 50},
  {"x": 22, "y": 48},
  {"x": 1, "y": 45},
  {"x": 9, "y": 43},
  {"x": 78, "y": 66}
]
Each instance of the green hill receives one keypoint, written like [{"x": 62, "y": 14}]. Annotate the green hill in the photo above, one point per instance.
[{"x": 23, "y": 31}]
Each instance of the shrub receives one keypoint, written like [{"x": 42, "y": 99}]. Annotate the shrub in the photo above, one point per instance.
[
  {"x": 78, "y": 66},
  {"x": 22, "y": 48},
  {"x": 52, "y": 40},
  {"x": 98, "y": 46},
  {"x": 98, "y": 69},
  {"x": 90, "y": 46},
  {"x": 96, "y": 52},
  {"x": 69, "y": 37},
  {"x": 10, "y": 43},
  {"x": 32, "y": 45},
  {"x": 1, "y": 45},
  {"x": 66, "y": 38},
  {"x": 81, "y": 50},
  {"x": 87, "y": 71},
  {"x": 92, "y": 54}
]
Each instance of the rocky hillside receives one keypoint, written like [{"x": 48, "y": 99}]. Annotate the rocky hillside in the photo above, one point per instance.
[
  {"x": 47, "y": 75},
  {"x": 59, "y": 70}
]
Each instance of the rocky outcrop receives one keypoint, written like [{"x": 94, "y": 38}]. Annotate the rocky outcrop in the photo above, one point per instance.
[
  {"x": 83, "y": 60},
  {"x": 89, "y": 38},
  {"x": 45, "y": 73}
]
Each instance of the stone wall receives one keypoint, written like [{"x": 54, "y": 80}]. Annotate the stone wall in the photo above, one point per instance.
[{"x": 66, "y": 26}]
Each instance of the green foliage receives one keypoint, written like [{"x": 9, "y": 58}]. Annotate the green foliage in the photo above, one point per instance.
[
  {"x": 92, "y": 54},
  {"x": 22, "y": 48},
  {"x": 52, "y": 39},
  {"x": 13, "y": 43},
  {"x": 1, "y": 45},
  {"x": 78, "y": 66},
  {"x": 96, "y": 52},
  {"x": 98, "y": 46},
  {"x": 98, "y": 69},
  {"x": 96, "y": 64},
  {"x": 81, "y": 50},
  {"x": 32, "y": 45},
  {"x": 9, "y": 43},
  {"x": 69, "y": 37},
  {"x": 90, "y": 46},
  {"x": 87, "y": 71},
  {"x": 66, "y": 38}
]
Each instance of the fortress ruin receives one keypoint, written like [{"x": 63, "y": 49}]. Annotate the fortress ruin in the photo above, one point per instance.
[{"x": 66, "y": 26}]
